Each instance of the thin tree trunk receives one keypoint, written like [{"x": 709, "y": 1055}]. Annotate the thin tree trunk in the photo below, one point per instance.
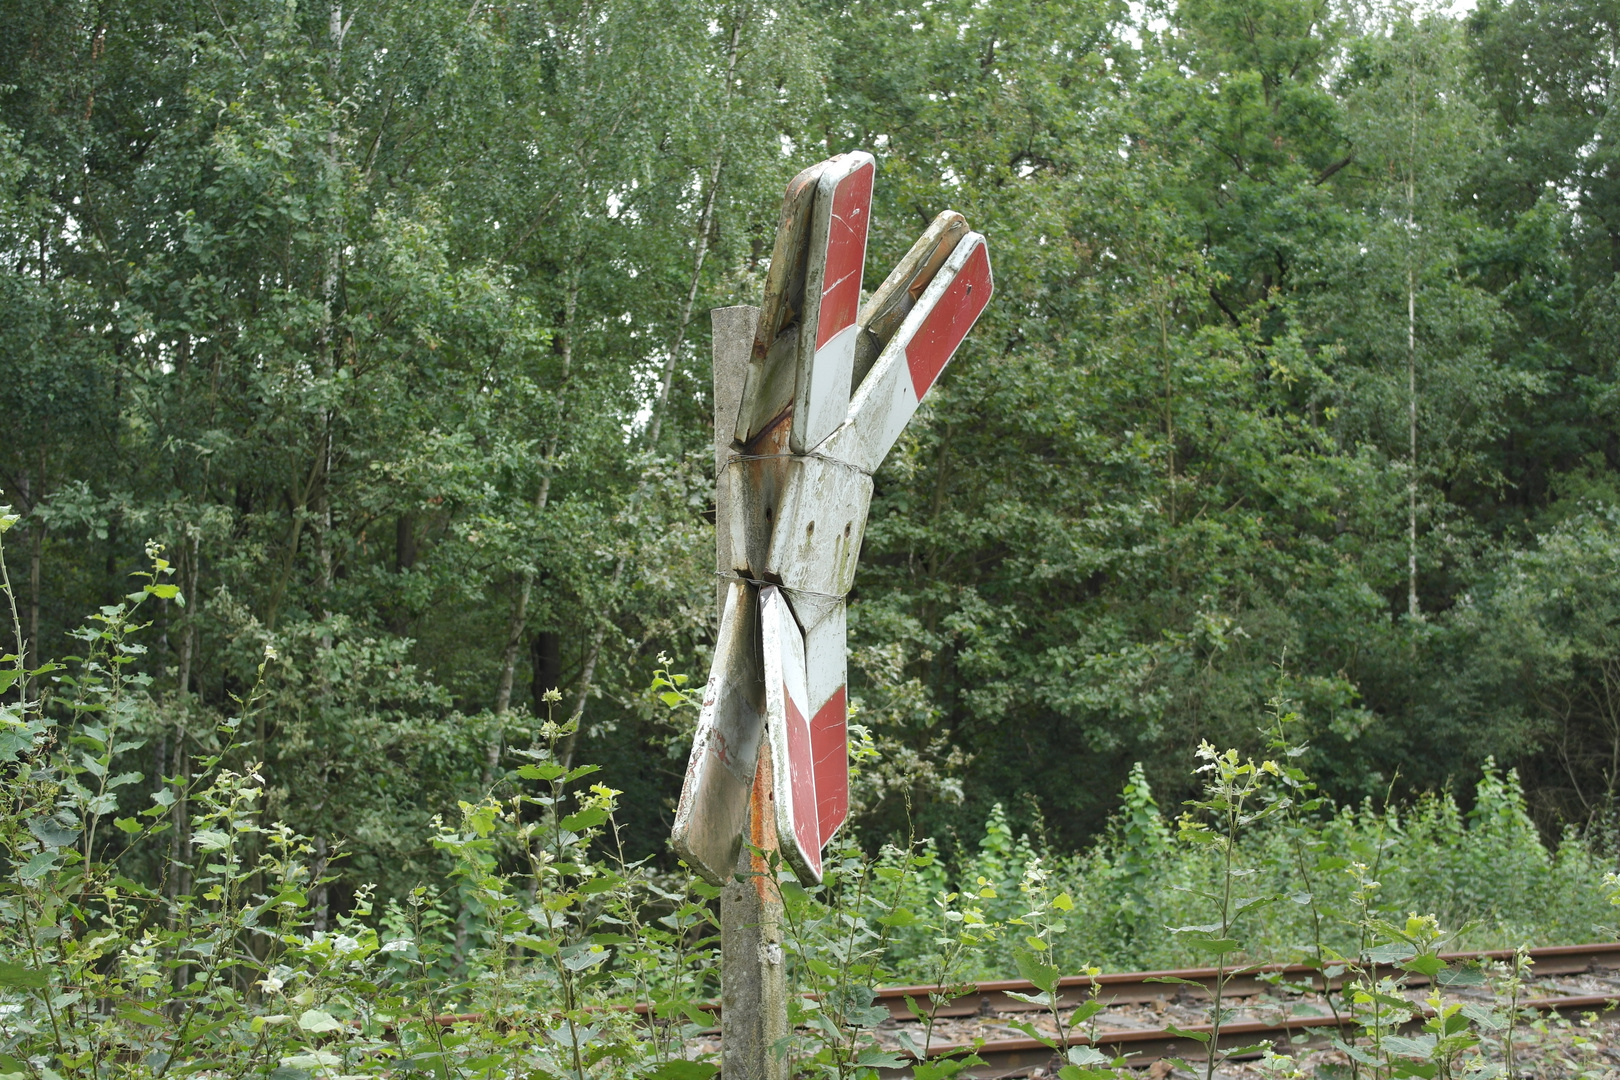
[
  {"x": 335, "y": 30},
  {"x": 1411, "y": 356},
  {"x": 1411, "y": 446},
  {"x": 520, "y": 610},
  {"x": 404, "y": 542},
  {"x": 36, "y": 554},
  {"x": 279, "y": 589},
  {"x": 188, "y": 589},
  {"x": 180, "y": 843},
  {"x": 16, "y": 625},
  {"x": 319, "y": 913},
  {"x": 320, "y": 897},
  {"x": 666, "y": 378},
  {"x": 705, "y": 224},
  {"x": 1159, "y": 304},
  {"x": 546, "y": 661}
]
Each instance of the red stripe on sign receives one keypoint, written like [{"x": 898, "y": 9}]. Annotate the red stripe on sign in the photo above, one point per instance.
[
  {"x": 830, "y": 736},
  {"x": 802, "y": 775},
  {"x": 942, "y": 331},
  {"x": 846, "y": 254}
]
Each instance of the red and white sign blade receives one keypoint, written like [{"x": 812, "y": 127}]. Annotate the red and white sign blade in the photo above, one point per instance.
[
  {"x": 913, "y": 359},
  {"x": 725, "y": 750},
  {"x": 825, "y": 652},
  {"x": 787, "y": 713},
  {"x": 832, "y": 297}
]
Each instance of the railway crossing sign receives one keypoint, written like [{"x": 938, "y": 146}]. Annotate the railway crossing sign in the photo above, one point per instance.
[{"x": 830, "y": 385}]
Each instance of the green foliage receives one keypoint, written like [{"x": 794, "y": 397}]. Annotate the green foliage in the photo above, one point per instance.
[
  {"x": 545, "y": 929},
  {"x": 387, "y": 322},
  {"x": 1486, "y": 871},
  {"x": 1273, "y": 873},
  {"x": 216, "y": 964}
]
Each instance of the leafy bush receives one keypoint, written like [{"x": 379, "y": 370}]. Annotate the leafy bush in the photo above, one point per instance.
[{"x": 215, "y": 963}]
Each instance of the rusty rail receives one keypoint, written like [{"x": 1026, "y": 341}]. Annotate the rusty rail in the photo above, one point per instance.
[
  {"x": 1007, "y": 1058},
  {"x": 1138, "y": 987}
]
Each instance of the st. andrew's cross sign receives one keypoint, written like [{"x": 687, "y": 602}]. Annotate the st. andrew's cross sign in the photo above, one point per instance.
[{"x": 830, "y": 385}]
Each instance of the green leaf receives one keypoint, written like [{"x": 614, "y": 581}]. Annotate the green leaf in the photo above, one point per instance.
[
  {"x": 1355, "y": 1053},
  {"x": 210, "y": 839},
  {"x": 588, "y": 818},
  {"x": 585, "y": 958},
  {"x": 1467, "y": 975},
  {"x": 1035, "y": 970},
  {"x": 40, "y": 865},
  {"x": 17, "y": 977},
  {"x": 1389, "y": 953},
  {"x": 52, "y": 832},
  {"x": 20, "y": 740},
  {"x": 1240, "y": 906},
  {"x": 1420, "y": 1046},
  {"x": 1085, "y": 1011},
  {"x": 1427, "y": 1070},
  {"x": 1075, "y": 1072},
  {"x": 1425, "y": 964},
  {"x": 1032, "y": 1032},
  {"x": 899, "y": 918},
  {"x": 1044, "y": 1000},
  {"x": 1183, "y": 1033},
  {"x": 1213, "y": 945},
  {"x": 319, "y": 1020},
  {"x": 1252, "y": 1048},
  {"x": 139, "y": 1014},
  {"x": 880, "y": 1059},
  {"x": 127, "y": 824},
  {"x": 684, "y": 1070},
  {"x": 940, "y": 1068},
  {"x": 544, "y": 771}
]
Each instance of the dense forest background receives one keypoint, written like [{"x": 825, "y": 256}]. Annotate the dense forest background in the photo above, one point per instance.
[{"x": 389, "y": 322}]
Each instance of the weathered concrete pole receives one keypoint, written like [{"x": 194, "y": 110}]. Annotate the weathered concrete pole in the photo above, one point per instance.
[{"x": 753, "y": 977}]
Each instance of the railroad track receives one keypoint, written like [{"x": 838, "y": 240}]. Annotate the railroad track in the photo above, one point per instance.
[{"x": 1134, "y": 999}]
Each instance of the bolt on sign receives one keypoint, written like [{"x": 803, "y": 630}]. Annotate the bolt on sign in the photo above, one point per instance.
[{"x": 831, "y": 383}]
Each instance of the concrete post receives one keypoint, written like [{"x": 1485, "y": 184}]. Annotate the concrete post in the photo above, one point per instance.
[{"x": 753, "y": 977}]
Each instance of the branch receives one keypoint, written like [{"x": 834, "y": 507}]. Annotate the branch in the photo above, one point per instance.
[{"x": 1322, "y": 177}]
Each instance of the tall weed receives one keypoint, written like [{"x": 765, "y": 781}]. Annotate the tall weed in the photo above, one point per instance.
[
  {"x": 1486, "y": 870},
  {"x": 219, "y": 962}
]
